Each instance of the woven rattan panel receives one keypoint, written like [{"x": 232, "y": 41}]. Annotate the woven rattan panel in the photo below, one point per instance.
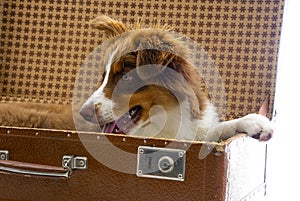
[{"x": 43, "y": 43}]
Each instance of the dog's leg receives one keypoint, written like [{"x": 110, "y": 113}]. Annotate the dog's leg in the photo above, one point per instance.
[{"x": 254, "y": 125}]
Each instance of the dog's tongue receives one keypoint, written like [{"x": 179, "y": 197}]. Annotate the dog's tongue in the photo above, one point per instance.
[
  {"x": 124, "y": 123},
  {"x": 109, "y": 128}
]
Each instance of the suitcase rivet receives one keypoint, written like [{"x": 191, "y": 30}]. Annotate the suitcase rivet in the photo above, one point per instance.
[
  {"x": 124, "y": 139},
  {"x": 179, "y": 176},
  {"x": 145, "y": 141},
  {"x": 98, "y": 137},
  {"x": 69, "y": 135},
  {"x": 180, "y": 154},
  {"x": 141, "y": 151},
  {"x": 8, "y": 131},
  {"x": 2, "y": 156},
  {"x": 65, "y": 162},
  {"x": 81, "y": 163},
  {"x": 37, "y": 133}
]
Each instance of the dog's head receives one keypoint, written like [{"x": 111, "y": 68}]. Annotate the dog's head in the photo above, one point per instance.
[{"x": 147, "y": 73}]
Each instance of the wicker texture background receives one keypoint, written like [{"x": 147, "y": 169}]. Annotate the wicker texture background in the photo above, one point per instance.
[{"x": 43, "y": 43}]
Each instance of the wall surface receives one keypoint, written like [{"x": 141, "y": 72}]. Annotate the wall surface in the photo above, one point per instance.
[{"x": 283, "y": 164}]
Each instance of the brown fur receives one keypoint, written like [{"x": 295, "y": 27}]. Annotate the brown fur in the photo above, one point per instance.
[
  {"x": 150, "y": 41},
  {"x": 104, "y": 23},
  {"x": 37, "y": 115}
]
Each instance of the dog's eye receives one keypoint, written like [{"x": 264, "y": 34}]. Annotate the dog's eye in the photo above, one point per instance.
[{"x": 126, "y": 77}]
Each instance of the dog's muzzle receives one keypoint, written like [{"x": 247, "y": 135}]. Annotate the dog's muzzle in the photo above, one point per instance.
[{"x": 96, "y": 114}]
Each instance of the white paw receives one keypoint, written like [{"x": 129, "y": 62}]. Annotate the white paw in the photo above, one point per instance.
[{"x": 256, "y": 126}]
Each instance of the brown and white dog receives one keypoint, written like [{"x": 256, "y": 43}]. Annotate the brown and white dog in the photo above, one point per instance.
[{"x": 149, "y": 87}]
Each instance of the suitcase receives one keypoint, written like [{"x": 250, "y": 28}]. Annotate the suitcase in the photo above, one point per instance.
[
  {"x": 43, "y": 45},
  {"x": 105, "y": 168}
]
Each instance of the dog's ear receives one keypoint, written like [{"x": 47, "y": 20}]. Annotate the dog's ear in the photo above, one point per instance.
[
  {"x": 156, "y": 61},
  {"x": 175, "y": 73},
  {"x": 109, "y": 26}
]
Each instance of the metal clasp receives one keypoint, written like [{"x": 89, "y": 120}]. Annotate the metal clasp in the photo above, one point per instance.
[
  {"x": 75, "y": 162},
  {"x": 161, "y": 163}
]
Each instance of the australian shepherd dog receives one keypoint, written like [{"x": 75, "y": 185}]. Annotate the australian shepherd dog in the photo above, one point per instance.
[{"x": 149, "y": 87}]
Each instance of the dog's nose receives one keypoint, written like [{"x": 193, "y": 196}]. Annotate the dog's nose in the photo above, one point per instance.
[{"x": 87, "y": 111}]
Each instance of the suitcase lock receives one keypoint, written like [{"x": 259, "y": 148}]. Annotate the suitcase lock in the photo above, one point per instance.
[{"x": 161, "y": 163}]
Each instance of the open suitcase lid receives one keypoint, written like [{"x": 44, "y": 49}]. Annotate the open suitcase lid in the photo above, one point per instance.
[{"x": 44, "y": 44}]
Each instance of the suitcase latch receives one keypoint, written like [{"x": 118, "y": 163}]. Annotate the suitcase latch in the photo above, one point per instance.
[
  {"x": 161, "y": 163},
  {"x": 75, "y": 162}
]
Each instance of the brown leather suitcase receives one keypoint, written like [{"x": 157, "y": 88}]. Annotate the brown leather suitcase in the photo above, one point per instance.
[
  {"x": 43, "y": 44},
  {"x": 235, "y": 170}
]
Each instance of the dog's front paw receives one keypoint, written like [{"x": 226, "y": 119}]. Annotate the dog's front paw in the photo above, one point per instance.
[{"x": 256, "y": 126}]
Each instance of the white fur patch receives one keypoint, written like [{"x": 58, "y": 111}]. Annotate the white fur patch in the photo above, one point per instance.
[
  {"x": 107, "y": 70},
  {"x": 208, "y": 122},
  {"x": 175, "y": 123},
  {"x": 254, "y": 124},
  {"x": 98, "y": 98}
]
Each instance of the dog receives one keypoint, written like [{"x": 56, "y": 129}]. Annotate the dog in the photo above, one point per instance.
[{"x": 148, "y": 88}]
